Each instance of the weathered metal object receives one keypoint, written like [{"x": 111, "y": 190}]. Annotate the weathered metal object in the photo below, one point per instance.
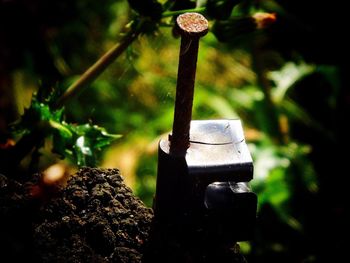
[
  {"x": 204, "y": 166},
  {"x": 191, "y": 27}
]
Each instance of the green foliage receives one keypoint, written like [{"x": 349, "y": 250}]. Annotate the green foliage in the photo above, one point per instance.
[
  {"x": 222, "y": 9},
  {"x": 274, "y": 166},
  {"x": 82, "y": 143},
  {"x": 38, "y": 114},
  {"x": 149, "y": 8}
]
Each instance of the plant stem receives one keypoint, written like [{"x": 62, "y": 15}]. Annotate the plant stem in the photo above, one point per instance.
[
  {"x": 179, "y": 12},
  {"x": 99, "y": 66},
  {"x": 30, "y": 140}
]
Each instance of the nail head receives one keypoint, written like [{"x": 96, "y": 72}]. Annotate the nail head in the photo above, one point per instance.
[{"x": 192, "y": 24}]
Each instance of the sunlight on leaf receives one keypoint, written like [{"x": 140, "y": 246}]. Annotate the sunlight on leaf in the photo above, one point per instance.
[
  {"x": 287, "y": 76},
  {"x": 266, "y": 159},
  {"x": 83, "y": 152},
  {"x": 64, "y": 131},
  {"x": 246, "y": 98},
  {"x": 220, "y": 105},
  {"x": 245, "y": 247}
]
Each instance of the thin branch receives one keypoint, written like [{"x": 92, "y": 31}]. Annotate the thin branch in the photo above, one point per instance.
[
  {"x": 179, "y": 12},
  {"x": 28, "y": 141},
  {"x": 99, "y": 66}
]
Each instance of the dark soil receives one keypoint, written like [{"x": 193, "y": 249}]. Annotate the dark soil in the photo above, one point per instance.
[{"x": 96, "y": 218}]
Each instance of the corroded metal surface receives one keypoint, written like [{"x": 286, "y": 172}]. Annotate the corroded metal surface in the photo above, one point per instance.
[{"x": 191, "y": 27}]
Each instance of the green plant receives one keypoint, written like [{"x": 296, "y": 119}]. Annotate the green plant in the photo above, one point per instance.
[{"x": 45, "y": 116}]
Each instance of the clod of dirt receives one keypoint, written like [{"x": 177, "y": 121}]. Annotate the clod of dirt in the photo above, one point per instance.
[{"x": 95, "y": 218}]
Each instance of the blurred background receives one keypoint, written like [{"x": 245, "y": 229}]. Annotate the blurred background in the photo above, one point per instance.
[{"x": 287, "y": 83}]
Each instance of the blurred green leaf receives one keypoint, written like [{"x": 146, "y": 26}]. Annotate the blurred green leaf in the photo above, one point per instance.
[
  {"x": 219, "y": 104},
  {"x": 287, "y": 76},
  {"x": 220, "y": 9},
  {"x": 233, "y": 29},
  {"x": 246, "y": 97},
  {"x": 272, "y": 172},
  {"x": 150, "y": 8},
  {"x": 62, "y": 129}
]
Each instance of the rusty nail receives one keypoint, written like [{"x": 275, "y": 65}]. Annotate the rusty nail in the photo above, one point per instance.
[{"x": 191, "y": 27}]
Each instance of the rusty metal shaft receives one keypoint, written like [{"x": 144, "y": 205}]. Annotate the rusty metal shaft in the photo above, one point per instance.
[{"x": 191, "y": 27}]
